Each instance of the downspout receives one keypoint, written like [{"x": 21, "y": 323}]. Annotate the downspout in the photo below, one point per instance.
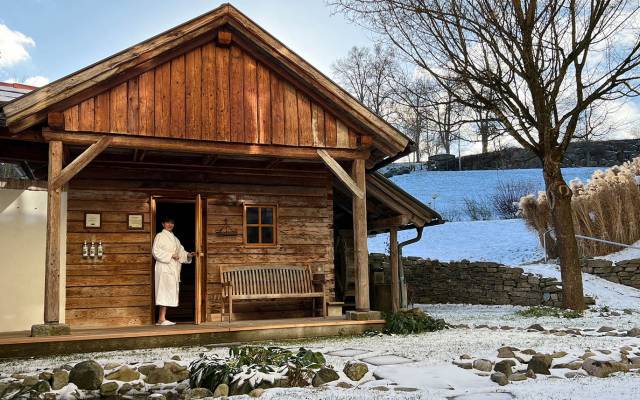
[{"x": 403, "y": 300}]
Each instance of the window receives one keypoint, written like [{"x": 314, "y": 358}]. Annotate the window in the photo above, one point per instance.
[{"x": 260, "y": 225}]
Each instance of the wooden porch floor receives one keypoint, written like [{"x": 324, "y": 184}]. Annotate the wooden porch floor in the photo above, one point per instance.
[{"x": 83, "y": 340}]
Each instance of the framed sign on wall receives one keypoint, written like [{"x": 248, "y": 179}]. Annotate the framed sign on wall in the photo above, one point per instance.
[
  {"x": 92, "y": 220},
  {"x": 135, "y": 221}
]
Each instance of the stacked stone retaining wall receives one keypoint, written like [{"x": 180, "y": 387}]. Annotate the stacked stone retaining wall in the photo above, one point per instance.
[
  {"x": 625, "y": 272},
  {"x": 432, "y": 281}
]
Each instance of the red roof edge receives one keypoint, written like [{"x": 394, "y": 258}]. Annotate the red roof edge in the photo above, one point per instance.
[{"x": 18, "y": 85}]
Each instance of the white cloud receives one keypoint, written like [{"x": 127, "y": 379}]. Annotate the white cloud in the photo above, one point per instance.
[
  {"x": 37, "y": 80},
  {"x": 13, "y": 46}
]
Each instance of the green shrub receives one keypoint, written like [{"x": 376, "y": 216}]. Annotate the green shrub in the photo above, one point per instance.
[
  {"x": 411, "y": 321},
  {"x": 545, "y": 311},
  {"x": 255, "y": 364}
]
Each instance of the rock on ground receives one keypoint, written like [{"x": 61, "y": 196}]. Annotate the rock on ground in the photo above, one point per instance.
[
  {"x": 355, "y": 370},
  {"x": 87, "y": 375}
]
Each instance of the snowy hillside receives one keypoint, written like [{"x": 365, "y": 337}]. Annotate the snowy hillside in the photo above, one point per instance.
[{"x": 445, "y": 191}]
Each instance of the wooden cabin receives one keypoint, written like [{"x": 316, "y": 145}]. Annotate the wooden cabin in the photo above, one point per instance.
[{"x": 264, "y": 163}]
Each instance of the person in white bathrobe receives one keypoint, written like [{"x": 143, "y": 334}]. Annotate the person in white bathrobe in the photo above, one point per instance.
[{"x": 169, "y": 255}]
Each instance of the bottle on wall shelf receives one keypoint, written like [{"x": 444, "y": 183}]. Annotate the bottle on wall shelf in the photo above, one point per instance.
[
  {"x": 100, "y": 249},
  {"x": 92, "y": 249},
  {"x": 85, "y": 249}
]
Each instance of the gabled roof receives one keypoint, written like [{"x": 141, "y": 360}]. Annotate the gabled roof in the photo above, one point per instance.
[{"x": 32, "y": 109}]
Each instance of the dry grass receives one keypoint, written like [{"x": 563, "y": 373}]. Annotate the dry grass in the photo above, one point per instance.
[{"x": 608, "y": 207}]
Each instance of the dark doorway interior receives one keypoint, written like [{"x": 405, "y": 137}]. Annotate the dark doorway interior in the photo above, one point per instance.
[{"x": 185, "y": 229}]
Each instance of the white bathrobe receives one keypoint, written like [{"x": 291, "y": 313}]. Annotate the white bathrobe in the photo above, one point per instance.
[{"x": 167, "y": 278}]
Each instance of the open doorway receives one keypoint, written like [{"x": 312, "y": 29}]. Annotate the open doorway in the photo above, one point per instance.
[{"x": 184, "y": 214}]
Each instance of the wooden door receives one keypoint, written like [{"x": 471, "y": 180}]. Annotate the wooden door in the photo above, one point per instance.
[{"x": 200, "y": 260}]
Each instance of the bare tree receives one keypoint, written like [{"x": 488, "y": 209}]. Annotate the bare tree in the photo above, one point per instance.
[
  {"x": 535, "y": 65},
  {"x": 366, "y": 74},
  {"x": 412, "y": 105}
]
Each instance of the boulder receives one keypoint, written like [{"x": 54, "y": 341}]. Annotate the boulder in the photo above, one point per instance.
[
  {"x": 505, "y": 352},
  {"x": 635, "y": 361},
  {"x": 199, "y": 393},
  {"x": 559, "y": 354},
  {"x": 602, "y": 369},
  {"x": 325, "y": 375},
  {"x": 222, "y": 390},
  {"x": 125, "y": 388},
  {"x": 536, "y": 327},
  {"x": 540, "y": 364},
  {"x": 30, "y": 381},
  {"x": 499, "y": 378},
  {"x": 380, "y": 388},
  {"x": 482, "y": 364},
  {"x": 529, "y": 352},
  {"x": 463, "y": 365},
  {"x": 124, "y": 374},
  {"x": 573, "y": 365},
  {"x": 176, "y": 358},
  {"x": 41, "y": 387},
  {"x": 60, "y": 379},
  {"x": 355, "y": 370},
  {"x": 111, "y": 365},
  {"x": 45, "y": 376},
  {"x": 465, "y": 357},
  {"x": 344, "y": 385},
  {"x": 169, "y": 373},
  {"x": 530, "y": 374},
  {"x": 517, "y": 377},
  {"x": 109, "y": 389},
  {"x": 504, "y": 366},
  {"x": 87, "y": 375},
  {"x": 633, "y": 332},
  {"x": 256, "y": 393},
  {"x": 145, "y": 369},
  {"x": 606, "y": 329}
]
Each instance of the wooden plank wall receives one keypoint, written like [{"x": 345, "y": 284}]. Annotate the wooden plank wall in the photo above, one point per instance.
[
  {"x": 116, "y": 290},
  {"x": 304, "y": 235},
  {"x": 215, "y": 94}
]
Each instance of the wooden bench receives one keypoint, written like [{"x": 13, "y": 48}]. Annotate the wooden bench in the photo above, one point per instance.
[{"x": 271, "y": 282}]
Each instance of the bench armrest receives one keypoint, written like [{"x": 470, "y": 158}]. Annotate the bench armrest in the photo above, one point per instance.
[{"x": 319, "y": 279}]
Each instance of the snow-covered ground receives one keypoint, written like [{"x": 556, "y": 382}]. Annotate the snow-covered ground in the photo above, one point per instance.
[
  {"x": 427, "y": 364},
  {"x": 506, "y": 241}
]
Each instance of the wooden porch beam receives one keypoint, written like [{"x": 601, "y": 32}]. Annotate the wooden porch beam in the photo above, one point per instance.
[
  {"x": 395, "y": 269},
  {"x": 52, "y": 268},
  {"x": 361, "y": 253},
  {"x": 391, "y": 222},
  {"x": 201, "y": 147},
  {"x": 341, "y": 174},
  {"x": 80, "y": 162}
]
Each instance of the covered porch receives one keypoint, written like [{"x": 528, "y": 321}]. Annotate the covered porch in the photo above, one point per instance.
[{"x": 84, "y": 340}]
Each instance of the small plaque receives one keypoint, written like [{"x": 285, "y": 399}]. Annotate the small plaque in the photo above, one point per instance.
[
  {"x": 92, "y": 220},
  {"x": 135, "y": 222}
]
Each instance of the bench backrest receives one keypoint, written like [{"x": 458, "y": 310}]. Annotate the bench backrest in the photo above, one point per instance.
[{"x": 255, "y": 280}]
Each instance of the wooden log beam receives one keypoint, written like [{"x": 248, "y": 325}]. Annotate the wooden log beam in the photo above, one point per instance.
[
  {"x": 201, "y": 147},
  {"x": 80, "y": 162},
  {"x": 52, "y": 268},
  {"x": 395, "y": 269},
  {"x": 391, "y": 222},
  {"x": 361, "y": 253},
  {"x": 341, "y": 174}
]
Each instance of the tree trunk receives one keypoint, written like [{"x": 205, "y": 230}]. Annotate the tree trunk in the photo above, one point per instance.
[{"x": 559, "y": 195}]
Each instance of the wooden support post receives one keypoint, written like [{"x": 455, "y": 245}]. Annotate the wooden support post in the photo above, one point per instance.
[
  {"x": 361, "y": 253},
  {"x": 395, "y": 272},
  {"x": 52, "y": 270}
]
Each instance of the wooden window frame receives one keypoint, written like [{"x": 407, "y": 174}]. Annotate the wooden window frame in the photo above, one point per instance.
[{"x": 259, "y": 225}]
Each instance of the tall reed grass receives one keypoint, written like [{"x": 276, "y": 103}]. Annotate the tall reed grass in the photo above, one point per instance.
[{"x": 607, "y": 207}]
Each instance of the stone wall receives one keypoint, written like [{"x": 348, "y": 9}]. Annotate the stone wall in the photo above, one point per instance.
[
  {"x": 432, "y": 281},
  {"x": 626, "y": 272}
]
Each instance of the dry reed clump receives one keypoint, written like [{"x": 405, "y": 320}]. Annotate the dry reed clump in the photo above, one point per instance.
[{"x": 607, "y": 207}]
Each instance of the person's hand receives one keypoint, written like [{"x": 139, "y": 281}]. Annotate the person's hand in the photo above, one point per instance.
[
  {"x": 192, "y": 254},
  {"x": 175, "y": 257}
]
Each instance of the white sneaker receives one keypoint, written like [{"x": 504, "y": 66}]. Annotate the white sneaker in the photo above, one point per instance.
[{"x": 166, "y": 322}]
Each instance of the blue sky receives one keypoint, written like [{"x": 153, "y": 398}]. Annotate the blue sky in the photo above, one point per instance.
[{"x": 62, "y": 36}]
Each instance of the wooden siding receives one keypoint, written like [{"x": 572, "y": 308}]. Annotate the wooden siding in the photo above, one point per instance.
[
  {"x": 114, "y": 290},
  {"x": 117, "y": 290},
  {"x": 212, "y": 93}
]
